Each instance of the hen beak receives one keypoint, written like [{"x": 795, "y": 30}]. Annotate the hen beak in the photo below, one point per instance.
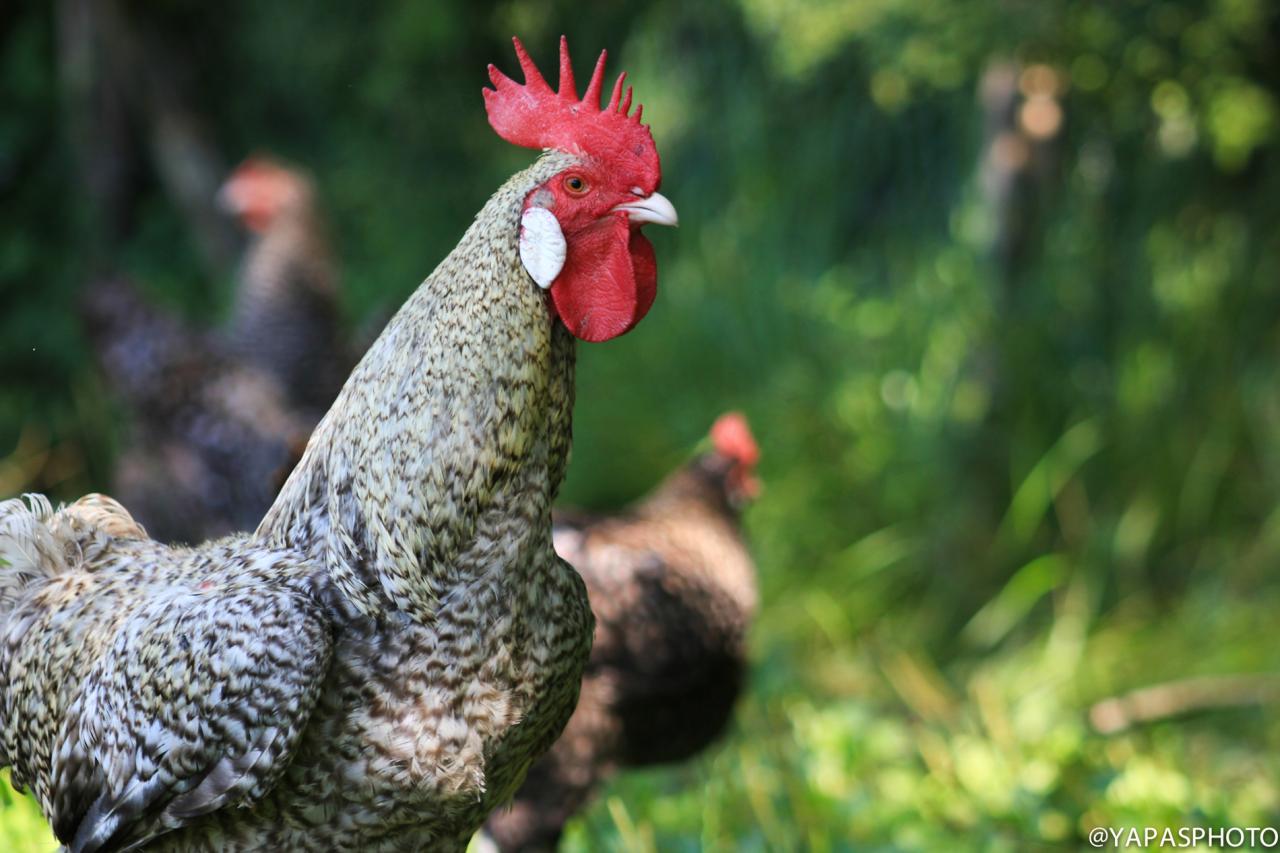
[{"x": 655, "y": 209}]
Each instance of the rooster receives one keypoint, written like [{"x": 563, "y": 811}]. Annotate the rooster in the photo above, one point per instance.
[
  {"x": 379, "y": 663},
  {"x": 673, "y": 591}
]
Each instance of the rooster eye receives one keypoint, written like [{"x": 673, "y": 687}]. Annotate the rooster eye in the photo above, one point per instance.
[{"x": 575, "y": 184}]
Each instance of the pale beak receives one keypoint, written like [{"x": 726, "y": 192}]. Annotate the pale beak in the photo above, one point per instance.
[{"x": 655, "y": 209}]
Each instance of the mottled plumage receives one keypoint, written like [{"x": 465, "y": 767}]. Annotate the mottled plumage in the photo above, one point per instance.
[{"x": 673, "y": 590}]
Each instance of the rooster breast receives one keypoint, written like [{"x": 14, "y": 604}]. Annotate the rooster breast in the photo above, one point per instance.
[{"x": 422, "y": 730}]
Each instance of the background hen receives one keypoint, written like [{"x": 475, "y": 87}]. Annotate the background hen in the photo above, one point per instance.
[
  {"x": 218, "y": 416},
  {"x": 208, "y": 435},
  {"x": 673, "y": 590},
  {"x": 286, "y": 317}
]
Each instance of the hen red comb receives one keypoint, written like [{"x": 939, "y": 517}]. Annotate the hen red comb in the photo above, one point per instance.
[
  {"x": 259, "y": 164},
  {"x": 533, "y": 116},
  {"x": 731, "y": 437}
]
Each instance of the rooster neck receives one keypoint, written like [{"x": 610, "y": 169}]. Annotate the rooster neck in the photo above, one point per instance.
[{"x": 436, "y": 467}]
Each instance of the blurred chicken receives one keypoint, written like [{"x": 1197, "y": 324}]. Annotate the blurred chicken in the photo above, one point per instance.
[
  {"x": 220, "y": 417},
  {"x": 209, "y": 436},
  {"x": 673, "y": 591},
  {"x": 285, "y": 319}
]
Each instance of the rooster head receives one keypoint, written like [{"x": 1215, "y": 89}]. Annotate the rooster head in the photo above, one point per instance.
[
  {"x": 580, "y": 231},
  {"x": 260, "y": 189},
  {"x": 731, "y": 440}
]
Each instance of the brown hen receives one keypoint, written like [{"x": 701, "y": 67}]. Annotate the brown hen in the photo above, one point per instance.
[{"x": 673, "y": 590}]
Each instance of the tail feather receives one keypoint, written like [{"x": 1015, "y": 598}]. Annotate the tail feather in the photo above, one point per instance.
[
  {"x": 29, "y": 551},
  {"x": 37, "y": 543},
  {"x": 107, "y": 515}
]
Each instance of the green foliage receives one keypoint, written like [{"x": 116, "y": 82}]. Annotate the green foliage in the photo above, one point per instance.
[
  {"x": 22, "y": 828},
  {"x": 1019, "y": 449}
]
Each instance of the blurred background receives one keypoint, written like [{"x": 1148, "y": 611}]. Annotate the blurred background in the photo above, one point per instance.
[{"x": 999, "y": 290}]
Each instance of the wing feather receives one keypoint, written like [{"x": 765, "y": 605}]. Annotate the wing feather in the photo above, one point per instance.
[{"x": 197, "y": 706}]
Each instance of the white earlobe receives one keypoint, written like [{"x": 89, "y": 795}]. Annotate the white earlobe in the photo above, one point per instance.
[{"x": 542, "y": 246}]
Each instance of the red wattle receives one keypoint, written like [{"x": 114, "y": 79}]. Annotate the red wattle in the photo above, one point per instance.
[
  {"x": 608, "y": 281},
  {"x": 646, "y": 271}
]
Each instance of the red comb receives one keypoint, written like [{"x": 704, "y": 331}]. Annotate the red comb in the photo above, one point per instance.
[
  {"x": 255, "y": 169},
  {"x": 533, "y": 116},
  {"x": 254, "y": 166},
  {"x": 731, "y": 437}
]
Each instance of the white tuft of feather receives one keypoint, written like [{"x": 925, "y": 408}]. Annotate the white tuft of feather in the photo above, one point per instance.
[
  {"x": 29, "y": 549},
  {"x": 542, "y": 246}
]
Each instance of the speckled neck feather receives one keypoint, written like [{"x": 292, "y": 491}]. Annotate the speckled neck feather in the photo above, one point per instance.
[{"x": 458, "y": 417}]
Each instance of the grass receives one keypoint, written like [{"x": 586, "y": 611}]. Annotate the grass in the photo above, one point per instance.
[
  {"x": 883, "y": 748},
  {"x": 22, "y": 828}
]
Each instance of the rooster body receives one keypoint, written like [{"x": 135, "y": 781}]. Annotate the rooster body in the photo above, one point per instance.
[
  {"x": 378, "y": 664},
  {"x": 135, "y": 697},
  {"x": 673, "y": 590}
]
